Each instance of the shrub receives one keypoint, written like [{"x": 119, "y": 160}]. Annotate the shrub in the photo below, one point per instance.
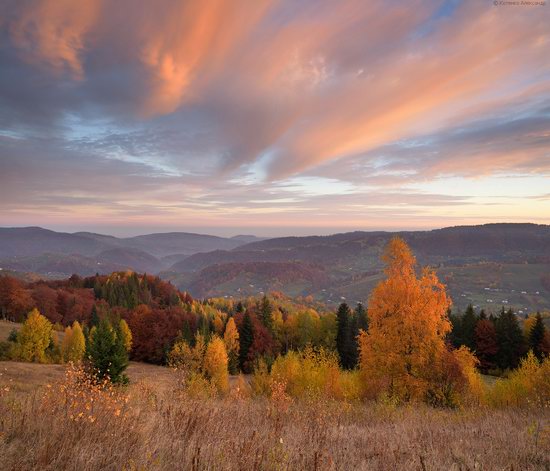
[
  {"x": 312, "y": 373},
  {"x": 261, "y": 379},
  {"x": 13, "y": 336},
  {"x": 528, "y": 385},
  {"x": 186, "y": 358},
  {"x": 5, "y": 350}
]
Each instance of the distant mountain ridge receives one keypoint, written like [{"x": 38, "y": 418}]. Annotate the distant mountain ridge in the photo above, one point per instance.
[
  {"x": 49, "y": 252},
  {"x": 486, "y": 264},
  {"x": 474, "y": 261},
  {"x": 491, "y": 241}
]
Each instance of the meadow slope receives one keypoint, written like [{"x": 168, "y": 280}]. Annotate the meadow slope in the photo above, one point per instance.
[{"x": 154, "y": 425}]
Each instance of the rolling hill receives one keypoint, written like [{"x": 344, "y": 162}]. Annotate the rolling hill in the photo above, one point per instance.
[
  {"x": 60, "y": 254},
  {"x": 492, "y": 265}
]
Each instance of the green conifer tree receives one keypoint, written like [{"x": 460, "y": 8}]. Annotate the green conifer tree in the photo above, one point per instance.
[
  {"x": 536, "y": 337},
  {"x": 266, "y": 313},
  {"x": 469, "y": 322},
  {"x": 510, "y": 340},
  {"x": 94, "y": 321},
  {"x": 107, "y": 352},
  {"x": 246, "y": 338},
  {"x": 344, "y": 336}
]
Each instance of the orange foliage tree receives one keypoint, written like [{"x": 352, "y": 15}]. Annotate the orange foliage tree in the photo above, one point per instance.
[
  {"x": 403, "y": 354},
  {"x": 231, "y": 340}
]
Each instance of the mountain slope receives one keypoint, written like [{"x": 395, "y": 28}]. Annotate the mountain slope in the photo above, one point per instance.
[
  {"x": 491, "y": 265},
  {"x": 51, "y": 252},
  {"x": 490, "y": 241}
]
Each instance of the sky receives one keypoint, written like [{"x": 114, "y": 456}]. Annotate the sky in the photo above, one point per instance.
[{"x": 273, "y": 117}]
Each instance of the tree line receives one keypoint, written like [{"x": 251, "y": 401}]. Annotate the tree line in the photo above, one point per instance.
[{"x": 163, "y": 320}]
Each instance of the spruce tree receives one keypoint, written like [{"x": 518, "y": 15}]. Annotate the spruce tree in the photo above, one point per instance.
[
  {"x": 353, "y": 352},
  {"x": 510, "y": 340},
  {"x": 107, "y": 352},
  {"x": 536, "y": 337},
  {"x": 455, "y": 335},
  {"x": 246, "y": 338},
  {"x": 266, "y": 312},
  {"x": 94, "y": 321},
  {"x": 362, "y": 317},
  {"x": 187, "y": 334},
  {"x": 344, "y": 336},
  {"x": 468, "y": 328},
  {"x": 239, "y": 308}
]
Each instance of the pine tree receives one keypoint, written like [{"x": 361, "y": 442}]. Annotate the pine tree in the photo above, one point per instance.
[
  {"x": 239, "y": 308},
  {"x": 246, "y": 339},
  {"x": 107, "y": 352},
  {"x": 536, "y": 338},
  {"x": 266, "y": 313},
  {"x": 362, "y": 317},
  {"x": 510, "y": 340},
  {"x": 455, "y": 335},
  {"x": 203, "y": 327},
  {"x": 344, "y": 336},
  {"x": 94, "y": 321},
  {"x": 469, "y": 321},
  {"x": 186, "y": 333}
]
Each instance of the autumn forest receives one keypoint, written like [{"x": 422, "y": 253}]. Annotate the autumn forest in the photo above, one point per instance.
[{"x": 406, "y": 348}]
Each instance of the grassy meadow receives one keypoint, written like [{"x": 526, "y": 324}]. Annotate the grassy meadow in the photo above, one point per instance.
[{"x": 51, "y": 419}]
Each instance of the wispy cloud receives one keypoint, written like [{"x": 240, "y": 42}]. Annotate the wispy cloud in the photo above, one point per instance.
[{"x": 270, "y": 112}]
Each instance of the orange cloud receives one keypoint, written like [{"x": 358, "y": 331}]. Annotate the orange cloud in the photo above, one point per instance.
[{"x": 52, "y": 32}]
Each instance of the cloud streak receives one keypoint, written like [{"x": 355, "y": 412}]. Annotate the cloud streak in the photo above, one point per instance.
[{"x": 219, "y": 110}]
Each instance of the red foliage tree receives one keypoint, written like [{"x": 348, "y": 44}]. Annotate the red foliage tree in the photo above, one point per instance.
[
  {"x": 15, "y": 300},
  {"x": 486, "y": 344},
  {"x": 45, "y": 299},
  {"x": 154, "y": 331}
]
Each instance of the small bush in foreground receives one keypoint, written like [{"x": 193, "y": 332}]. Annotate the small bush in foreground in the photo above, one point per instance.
[{"x": 528, "y": 386}]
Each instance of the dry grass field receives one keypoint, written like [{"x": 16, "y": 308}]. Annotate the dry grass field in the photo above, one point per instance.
[
  {"x": 28, "y": 377},
  {"x": 51, "y": 423}
]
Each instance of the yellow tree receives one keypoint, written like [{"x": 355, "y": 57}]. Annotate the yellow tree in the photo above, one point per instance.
[
  {"x": 231, "y": 340},
  {"x": 34, "y": 337},
  {"x": 215, "y": 364},
  {"x": 74, "y": 343},
  {"x": 218, "y": 324},
  {"x": 408, "y": 323},
  {"x": 126, "y": 335},
  {"x": 186, "y": 358}
]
